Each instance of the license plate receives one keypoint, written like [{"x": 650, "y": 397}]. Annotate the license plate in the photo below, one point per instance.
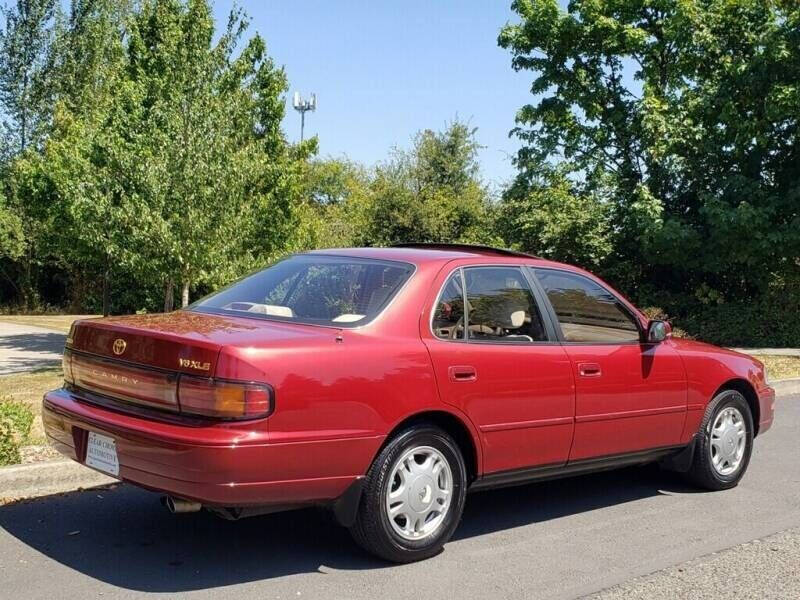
[{"x": 101, "y": 453}]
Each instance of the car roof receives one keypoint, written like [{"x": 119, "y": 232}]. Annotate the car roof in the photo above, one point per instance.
[{"x": 419, "y": 253}]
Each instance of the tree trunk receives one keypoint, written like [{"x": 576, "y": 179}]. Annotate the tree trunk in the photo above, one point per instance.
[
  {"x": 169, "y": 296},
  {"x": 185, "y": 294}
]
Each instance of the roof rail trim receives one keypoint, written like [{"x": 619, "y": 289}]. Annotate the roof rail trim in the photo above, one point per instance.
[{"x": 464, "y": 247}]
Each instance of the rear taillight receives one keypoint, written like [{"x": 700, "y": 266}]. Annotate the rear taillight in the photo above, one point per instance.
[
  {"x": 223, "y": 399},
  {"x": 66, "y": 365},
  {"x": 201, "y": 396}
]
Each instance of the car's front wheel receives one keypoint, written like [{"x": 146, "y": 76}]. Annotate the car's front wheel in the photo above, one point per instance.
[
  {"x": 725, "y": 443},
  {"x": 413, "y": 496}
]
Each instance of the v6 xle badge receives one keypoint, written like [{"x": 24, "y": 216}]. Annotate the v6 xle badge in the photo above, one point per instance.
[{"x": 194, "y": 364}]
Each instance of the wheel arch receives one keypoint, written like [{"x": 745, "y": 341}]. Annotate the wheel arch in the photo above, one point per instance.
[
  {"x": 345, "y": 507},
  {"x": 458, "y": 429},
  {"x": 745, "y": 389}
]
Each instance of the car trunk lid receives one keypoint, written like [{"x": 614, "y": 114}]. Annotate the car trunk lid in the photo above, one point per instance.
[
  {"x": 181, "y": 341},
  {"x": 143, "y": 359}
]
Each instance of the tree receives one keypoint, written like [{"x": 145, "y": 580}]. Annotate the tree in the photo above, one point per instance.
[
  {"x": 24, "y": 45},
  {"x": 332, "y": 211},
  {"x": 553, "y": 220},
  {"x": 431, "y": 193},
  {"x": 11, "y": 236},
  {"x": 206, "y": 124},
  {"x": 166, "y": 163},
  {"x": 681, "y": 116}
]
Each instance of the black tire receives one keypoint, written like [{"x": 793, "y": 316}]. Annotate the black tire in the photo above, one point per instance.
[
  {"x": 702, "y": 472},
  {"x": 372, "y": 529}
]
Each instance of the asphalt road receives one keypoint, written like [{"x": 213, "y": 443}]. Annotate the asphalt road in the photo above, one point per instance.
[
  {"x": 26, "y": 348},
  {"x": 559, "y": 539},
  {"x": 764, "y": 569}
]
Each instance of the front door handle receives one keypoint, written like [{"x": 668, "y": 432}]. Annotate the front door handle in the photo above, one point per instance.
[
  {"x": 589, "y": 370},
  {"x": 462, "y": 373}
]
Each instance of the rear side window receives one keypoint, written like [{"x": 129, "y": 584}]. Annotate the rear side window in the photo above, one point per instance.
[
  {"x": 448, "y": 316},
  {"x": 325, "y": 290},
  {"x": 501, "y": 306},
  {"x": 586, "y": 311}
]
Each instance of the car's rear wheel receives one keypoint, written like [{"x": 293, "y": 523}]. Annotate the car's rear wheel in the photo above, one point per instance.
[
  {"x": 725, "y": 442},
  {"x": 413, "y": 496}
]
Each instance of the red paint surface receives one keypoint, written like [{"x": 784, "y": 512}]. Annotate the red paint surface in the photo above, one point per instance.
[{"x": 339, "y": 393}]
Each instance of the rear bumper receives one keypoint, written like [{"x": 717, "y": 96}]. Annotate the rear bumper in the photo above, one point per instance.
[
  {"x": 214, "y": 465},
  {"x": 766, "y": 403}
]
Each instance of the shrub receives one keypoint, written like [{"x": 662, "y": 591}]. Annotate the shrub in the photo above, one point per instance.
[
  {"x": 765, "y": 323},
  {"x": 15, "y": 425}
]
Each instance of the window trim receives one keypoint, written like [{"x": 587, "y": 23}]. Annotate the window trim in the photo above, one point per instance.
[
  {"x": 549, "y": 327},
  {"x": 557, "y": 324}
]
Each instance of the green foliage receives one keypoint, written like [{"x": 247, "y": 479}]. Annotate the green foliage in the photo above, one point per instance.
[
  {"x": 15, "y": 425},
  {"x": 165, "y": 163},
  {"x": 768, "y": 321},
  {"x": 555, "y": 221},
  {"x": 11, "y": 236},
  {"x": 24, "y": 43},
  {"x": 429, "y": 193},
  {"x": 143, "y": 154},
  {"x": 680, "y": 120},
  {"x": 9, "y": 445}
]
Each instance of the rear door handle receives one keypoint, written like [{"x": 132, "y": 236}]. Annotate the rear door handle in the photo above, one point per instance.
[
  {"x": 462, "y": 373},
  {"x": 589, "y": 370}
]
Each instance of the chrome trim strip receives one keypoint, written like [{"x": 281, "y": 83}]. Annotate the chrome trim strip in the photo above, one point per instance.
[
  {"x": 647, "y": 412},
  {"x": 527, "y": 424}
]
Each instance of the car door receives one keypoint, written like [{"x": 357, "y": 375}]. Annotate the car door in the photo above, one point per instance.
[
  {"x": 630, "y": 395},
  {"x": 498, "y": 360}
]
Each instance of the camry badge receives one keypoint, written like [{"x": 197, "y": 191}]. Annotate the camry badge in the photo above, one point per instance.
[{"x": 119, "y": 346}]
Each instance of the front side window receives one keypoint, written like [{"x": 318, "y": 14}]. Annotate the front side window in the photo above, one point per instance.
[
  {"x": 586, "y": 311},
  {"x": 316, "y": 289},
  {"x": 501, "y": 306}
]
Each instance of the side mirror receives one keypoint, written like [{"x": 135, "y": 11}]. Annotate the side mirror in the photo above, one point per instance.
[{"x": 658, "y": 331}]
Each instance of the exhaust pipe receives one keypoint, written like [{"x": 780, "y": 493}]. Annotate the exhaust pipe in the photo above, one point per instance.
[{"x": 179, "y": 505}]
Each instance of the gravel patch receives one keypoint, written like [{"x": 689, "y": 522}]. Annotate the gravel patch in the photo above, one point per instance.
[
  {"x": 764, "y": 569},
  {"x": 38, "y": 453}
]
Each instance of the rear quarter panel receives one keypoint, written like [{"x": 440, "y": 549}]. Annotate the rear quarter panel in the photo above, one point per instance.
[{"x": 342, "y": 384}]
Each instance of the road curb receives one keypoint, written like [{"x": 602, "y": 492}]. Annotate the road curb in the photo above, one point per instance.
[
  {"x": 785, "y": 387},
  {"x": 769, "y": 351},
  {"x": 52, "y": 477}
]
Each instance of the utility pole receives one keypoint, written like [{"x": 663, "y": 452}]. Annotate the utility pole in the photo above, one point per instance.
[{"x": 302, "y": 106}]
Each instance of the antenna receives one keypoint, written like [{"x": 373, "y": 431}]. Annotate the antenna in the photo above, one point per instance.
[{"x": 303, "y": 106}]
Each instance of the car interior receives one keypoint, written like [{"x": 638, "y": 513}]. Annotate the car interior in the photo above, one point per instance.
[{"x": 500, "y": 307}]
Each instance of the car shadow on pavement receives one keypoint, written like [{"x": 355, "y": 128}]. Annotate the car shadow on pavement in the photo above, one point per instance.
[{"x": 124, "y": 537}]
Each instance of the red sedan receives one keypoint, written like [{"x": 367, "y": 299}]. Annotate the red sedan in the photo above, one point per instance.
[{"x": 388, "y": 382}]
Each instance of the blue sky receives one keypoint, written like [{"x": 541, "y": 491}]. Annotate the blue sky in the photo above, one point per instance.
[{"x": 384, "y": 70}]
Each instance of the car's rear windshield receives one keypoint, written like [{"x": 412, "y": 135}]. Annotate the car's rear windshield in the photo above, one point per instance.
[{"x": 307, "y": 288}]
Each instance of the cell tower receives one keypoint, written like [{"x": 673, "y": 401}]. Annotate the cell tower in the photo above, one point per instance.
[{"x": 303, "y": 106}]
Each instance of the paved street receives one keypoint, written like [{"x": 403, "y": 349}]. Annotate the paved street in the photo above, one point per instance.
[
  {"x": 557, "y": 539},
  {"x": 25, "y": 348},
  {"x": 764, "y": 569}
]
